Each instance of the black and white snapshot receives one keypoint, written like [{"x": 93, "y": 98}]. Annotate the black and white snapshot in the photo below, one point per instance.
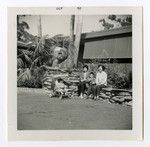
[{"x": 74, "y": 72}]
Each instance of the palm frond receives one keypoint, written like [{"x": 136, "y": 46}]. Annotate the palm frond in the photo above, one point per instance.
[
  {"x": 26, "y": 75},
  {"x": 24, "y": 58},
  {"x": 20, "y": 63},
  {"x": 28, "y": 59},
  {"x": 38, "y": 49}
]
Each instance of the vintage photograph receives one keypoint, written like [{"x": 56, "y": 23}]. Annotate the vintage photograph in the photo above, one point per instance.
[{"x": 74, "y": 72}]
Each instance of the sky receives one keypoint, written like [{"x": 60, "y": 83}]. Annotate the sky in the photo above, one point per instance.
[{"x": 60, "y": 24}]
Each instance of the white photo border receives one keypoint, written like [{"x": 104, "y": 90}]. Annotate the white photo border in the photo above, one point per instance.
[{"x": 137, "y": 57}]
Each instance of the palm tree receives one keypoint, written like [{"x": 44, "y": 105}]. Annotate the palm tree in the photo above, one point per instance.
[
  {"x": 39, "y": 27},
  {"x": 26, "y": 58},
  {"x": 78, "y": 37},
  {"x": 70, "y": 60}
]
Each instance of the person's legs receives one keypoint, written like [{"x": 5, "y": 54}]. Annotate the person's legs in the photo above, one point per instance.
[
  {"x": 94, "y": 91},
  {"x": 98, "y": 90},
  {"x": 81, "y": 88},
  {"x": 89, "y": 90}
]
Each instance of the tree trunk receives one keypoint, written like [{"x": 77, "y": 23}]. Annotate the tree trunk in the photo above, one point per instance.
[
  {"x": 39, "y": 27},
  {"x": 78, "y": 37},
  {"x": 69, "y": 62},
  {"x": 72, "y": 21},
  {"x": 71, "y": 45}
]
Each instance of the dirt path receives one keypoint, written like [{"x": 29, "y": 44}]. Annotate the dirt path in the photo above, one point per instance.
[{"x": 39, "y": 112}]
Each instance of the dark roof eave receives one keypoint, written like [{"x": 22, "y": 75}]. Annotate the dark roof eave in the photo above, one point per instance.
[{"x": 115, "y": 31}]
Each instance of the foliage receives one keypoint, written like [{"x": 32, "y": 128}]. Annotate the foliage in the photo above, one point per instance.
[
  {"x": 119, "y": 75},
  {"x": 106, "y": 25},
  {"x": 24, "y": 58},
  {"x": 30, "y": 80},
  {"x": 22, "y": 34},
  {"x": 33, "y": 52},
  {"x": 118, "y": 80},
  {"x": 113, "y": 19},
  {"x": 125, "y": 21},
  {"x": 32, "y": 83}
]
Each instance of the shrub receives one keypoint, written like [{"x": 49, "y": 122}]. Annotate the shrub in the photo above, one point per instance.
[
  {"x": 26, "y": 83},
  {"x": 118, "y": 80},
  {"x": 35, "y": 81},
  {"x": 120, "y": 75},
  {"x": 32, "y": 83}
]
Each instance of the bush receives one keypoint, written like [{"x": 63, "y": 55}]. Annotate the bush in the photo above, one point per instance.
[
  {"x": 35, "y": 81},
  {"x": 118, "y": 80},
  {"x": 32, "y": 83},
  {"x": 120, "y": 75}
]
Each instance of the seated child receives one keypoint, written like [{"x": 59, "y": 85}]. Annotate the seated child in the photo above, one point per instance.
[
  {"x": 60, "y": 87},
  {"x": 91, "y": 86}
]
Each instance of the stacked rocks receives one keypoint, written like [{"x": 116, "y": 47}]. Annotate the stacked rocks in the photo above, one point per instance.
[
  {"x": 51, "y": 75},
  {"x": 122, "y": 97}
]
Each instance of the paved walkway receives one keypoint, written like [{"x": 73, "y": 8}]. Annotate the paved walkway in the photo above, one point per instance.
[{"x": 36, "y": 111}]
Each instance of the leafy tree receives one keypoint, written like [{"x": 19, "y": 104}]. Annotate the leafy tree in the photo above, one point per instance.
[
  {"x": 21, "y": 29},
  {"x": 106, "y": 25},
  {"x": 113, "y": 19}
]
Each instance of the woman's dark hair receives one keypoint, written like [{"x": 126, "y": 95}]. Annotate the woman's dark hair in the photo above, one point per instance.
[
  {"x": 59, "y": 80},
  {"x": 91, "y": 73},
  {"x": 103, "y": 67},
  {"x": 86, "y": 66}
]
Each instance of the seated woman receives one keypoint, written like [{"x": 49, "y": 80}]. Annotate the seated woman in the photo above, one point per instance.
[
  {"x": 83, "y": 80},
  {"x": 91, "y": 84},
  {"x": 101, "y": 80}
]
